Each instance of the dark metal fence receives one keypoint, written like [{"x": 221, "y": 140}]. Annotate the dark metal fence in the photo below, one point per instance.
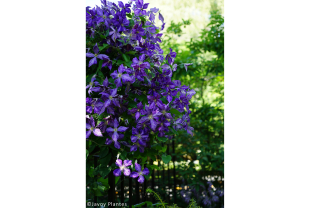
[{"x": 164, "y": 181}]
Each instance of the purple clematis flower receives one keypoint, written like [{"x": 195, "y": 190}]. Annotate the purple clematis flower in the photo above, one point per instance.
[
  {"x": 144, "y": 126},
  {"x": 139, "y": 67},
  {"x": 155, "y": 10},
  {"x": 117, "y": 145},
  {"x": 135, "y": 147},
  {"x": 138, "y": 134},
  {"x": 139, "y": 173},
  {"x": 160, "y": 17},
  {"x": 181, "y": 102},
  {"x": 93, "y": 104},
  {"x": 95, "y": 56},
  {"x": 137, "y": 111},
  {"x": 124, "y": 7},
  {"x": 154, "y": 89},
  {"x": 92, "y": 85},
  {"x": 186, "y": 65},
  {"x": 163, "y": 124},
  {"x": 120, "y": 76},
  {"x": 103, "y": 124},
  {"x": 140, "y": 7},
  {"x": 169, "y": 94},
  {"x": 146, "y": 48},
  {"x": 122, "y": 167},
  {"x": 168, "y": 86},
  {"x": 91, "y": 126},
  {"x": 163, "y": 26},
  {"x": 120, "y": 21},
  {"x": 116, "y": 129},
  {"x": 107, "y": 62},
  {"x": 171, "y": 56},
  {"x": 138, "y": 31},
  {"x": 115, "y": 34},
  {"x": 155, "y": 101},
  {"x": 164, "y": 110},
  {"x": 151, "y": 115},
  {"x": 91, "y": 17},
  {"x": 103, "y": 16},
  {"x": 112, "y": 97}
]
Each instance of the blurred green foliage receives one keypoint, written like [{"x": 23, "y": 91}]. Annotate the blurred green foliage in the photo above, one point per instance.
[{"x": 204, "y": 152}]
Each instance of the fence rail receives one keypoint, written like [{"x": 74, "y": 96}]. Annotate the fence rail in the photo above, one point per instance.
[{"x": 161, "y": 181}]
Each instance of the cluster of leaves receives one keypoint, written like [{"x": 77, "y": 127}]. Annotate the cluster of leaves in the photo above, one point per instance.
[
  {"x": 205, "y": 150},
  {"x": 161, "y": 204},
  {"x": 132, "y": 103}
]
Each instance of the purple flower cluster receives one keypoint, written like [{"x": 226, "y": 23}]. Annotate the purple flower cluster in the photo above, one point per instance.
[
  {"x": 123, "y": 168},
  {"x": 209, "y": 195},
  {"x": 133, "y": 102}
]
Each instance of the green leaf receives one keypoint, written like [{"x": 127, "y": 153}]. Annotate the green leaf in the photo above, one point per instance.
[
  {"x": 153, "y": 157},
  {"x": 119, "y": 62},
  {"x": 164, "y": 149},
  {"x": 102, "y": 47},
  {"x": 104, "y": 152},
  {"x": 132, "y": 53},
  {"x": 116, "y": 179},
  {"x": 128, "y": 63},
  {"x": 162, "y": 139},
  {"x": 142, "y": 18},
  {"x": 100, "y": 74},
  {"x": 166, "y": 158},
  {"x": 91, "y": 172},
  {"x": 87, "y": 153},
  {"x": 104, "y": 172},
  {"x": 175, "y": 111},
  {"x": 107, "y": 33},
  {"x": 97, "y": 192},
  {"x": 103, "y": 181},
  {"x": 102, "y": 188},
  {"x": 131, "y": 23},
  {"x": 153, "y": 167},
  {"x": 99, "y": 66},
  {"x": 126, "y": 58},
  {"x": 105, "y": 160}
]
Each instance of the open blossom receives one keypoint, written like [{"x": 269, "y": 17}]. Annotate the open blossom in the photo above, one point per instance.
[
  {"x": 120, "y": 76},
  {"x": 124, "y": 7},
  {"x": 150, "y": 116},
  {"x": 92, "y": 85},
  {"x": 138, "y": 134},
  {"x": 110, "y": 98},
  {"x": 122, "y": 167},
  {"x": 95, "y": 56},
  {"x": 154, "y": 101},
  {"x": 140, "y": 7},
  {"x": 139, "y": 66},
  {"x": 91, "y": 126},
  {"x": 120, "y": 21},
  {"x": 107, "y": 62},
  {"x": 103, "y": 16},
  {"x": 171, "y": 56},
  {"x": 116, "y": 129},
  {"x": 137, "y": 111},
  {"x": 114, "y": 34},
  {"x": 139, "y": 173},
  {"x": 93, "y": 105},
  {"x": 181, "y": 102}
]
